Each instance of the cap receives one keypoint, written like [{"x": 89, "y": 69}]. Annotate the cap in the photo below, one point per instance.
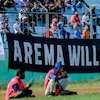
[{"x": 57, "y": 66}]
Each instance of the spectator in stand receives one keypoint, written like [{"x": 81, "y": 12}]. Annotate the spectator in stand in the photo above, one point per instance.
[
  {"x": 1, "y": 28},
  {"x": 2, "y": 7},
  {"x": 10, "y": 3},
  {"x": 6, "y": 29},
  {"x": 23, "y": 2},
  {"x": 46, "y": 1},
  {"x": 94, "y": 21},
  {"x": 67, "y": 3},
  {"x": 17, "y": 28},
  {"x": 6, "y": 26},
  {"x": 77, "y": 34},
  {"x": 86, "y": 33},
  {"x": 54, "y": 28},
  {"x": 75, "y": 21},
  {"x": 25, "y": 27},
  {"x": 35, "y": 8},
  {"x": 21, "y": 15},
  {"x": 24, "y": 11},
  {"x": 62, "y": 33},
  {"x": 55, "y": 6},
  {"x": 86, "y": 19}
]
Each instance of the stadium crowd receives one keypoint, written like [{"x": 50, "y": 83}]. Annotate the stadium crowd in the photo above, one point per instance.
[{"x": 31, "y": 13}]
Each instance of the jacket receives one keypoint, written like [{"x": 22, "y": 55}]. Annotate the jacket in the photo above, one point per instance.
[{"x": 10, "y": 91}]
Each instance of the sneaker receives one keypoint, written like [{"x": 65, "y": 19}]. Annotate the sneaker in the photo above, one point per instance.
[
  {"x": 51, "y": 94},
  {"x": 67, "y": 92}
]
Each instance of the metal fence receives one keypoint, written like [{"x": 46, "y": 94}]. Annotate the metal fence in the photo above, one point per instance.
[{"x": 40, "y": 22}]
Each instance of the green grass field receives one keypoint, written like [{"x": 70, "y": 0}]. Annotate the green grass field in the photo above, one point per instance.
[
  {"x": 73, "y": 97},
  {"x": 94, "y": 85}
]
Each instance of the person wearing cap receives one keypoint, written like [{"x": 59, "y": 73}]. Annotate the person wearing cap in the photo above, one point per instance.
[
  {"x": 55, "y": 75},
  {"x": 16, "y": 87}
]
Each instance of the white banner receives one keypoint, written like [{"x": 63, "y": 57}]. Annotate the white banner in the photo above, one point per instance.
[{"x": 2, "y": 53}]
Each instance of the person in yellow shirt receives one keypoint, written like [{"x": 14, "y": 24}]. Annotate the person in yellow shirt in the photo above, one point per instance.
[{"x": 86, "y": 33}]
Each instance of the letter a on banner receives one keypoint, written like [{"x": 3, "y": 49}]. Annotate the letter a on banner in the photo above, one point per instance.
[{"x": 2, "y": 53}]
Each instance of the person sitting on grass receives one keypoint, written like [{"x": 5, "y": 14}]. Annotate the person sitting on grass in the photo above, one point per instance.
[
  {"x": 16, "y": 88},
  {"x": 56, "y": 81}
]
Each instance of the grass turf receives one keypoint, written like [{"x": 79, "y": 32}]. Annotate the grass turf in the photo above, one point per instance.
[
  {"x": 72, "y": 97},
  {"x": 82, "y": 85}
]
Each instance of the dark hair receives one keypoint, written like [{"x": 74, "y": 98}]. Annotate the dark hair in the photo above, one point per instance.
[{"x": 20, "y": 72}]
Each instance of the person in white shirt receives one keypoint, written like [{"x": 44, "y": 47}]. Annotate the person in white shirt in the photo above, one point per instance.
[
  {"x": 86, "y": 19},
  {"x": 17, "y": 28}
]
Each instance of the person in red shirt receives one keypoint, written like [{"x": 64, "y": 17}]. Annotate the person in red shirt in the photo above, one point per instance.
[
  {"x": 86, "y": 33},
  {"x": 75, "y": 21},
  {"x": 45, "y": 34},
  {"x": 16, "y": 88}
]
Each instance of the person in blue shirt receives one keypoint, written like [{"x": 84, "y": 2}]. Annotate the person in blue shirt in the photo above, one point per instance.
[
  {"x": 62, "y": 32},
  {"x": 77, "y": 34},
  {"x": 54, "y": 77}
]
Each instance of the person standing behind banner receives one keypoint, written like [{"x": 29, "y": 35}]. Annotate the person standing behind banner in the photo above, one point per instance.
[
  {"x": 16, "y": 88},
  {"x": 17, "y": 28},
  {"x": 54, "y": 28},
  {"x": 86, "y": 33},
  {"x": 75, "y": 22},
  {"x": 94, "y": 20},
  {"x": 55, "y": 75}
]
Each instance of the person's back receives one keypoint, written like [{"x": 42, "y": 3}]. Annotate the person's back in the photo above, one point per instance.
[{"x": 10, "y": 91}]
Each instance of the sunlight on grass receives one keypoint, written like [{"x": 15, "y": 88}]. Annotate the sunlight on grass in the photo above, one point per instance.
[{"x": 85, "y": 85}]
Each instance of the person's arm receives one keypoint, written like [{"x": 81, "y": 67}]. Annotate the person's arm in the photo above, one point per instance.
[
  {"x": 55, "y": 78},
  {"x": 16, "y": 87},
  {"x": 28, "y": 85},
  {"x": 64, "y": 74}
]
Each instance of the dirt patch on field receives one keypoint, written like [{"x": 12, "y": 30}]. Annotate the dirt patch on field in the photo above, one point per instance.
[
  {"x": 86, "y": 91},
  {"x": 1, "y": 95},
  {"x": 79, "y": 91}
]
